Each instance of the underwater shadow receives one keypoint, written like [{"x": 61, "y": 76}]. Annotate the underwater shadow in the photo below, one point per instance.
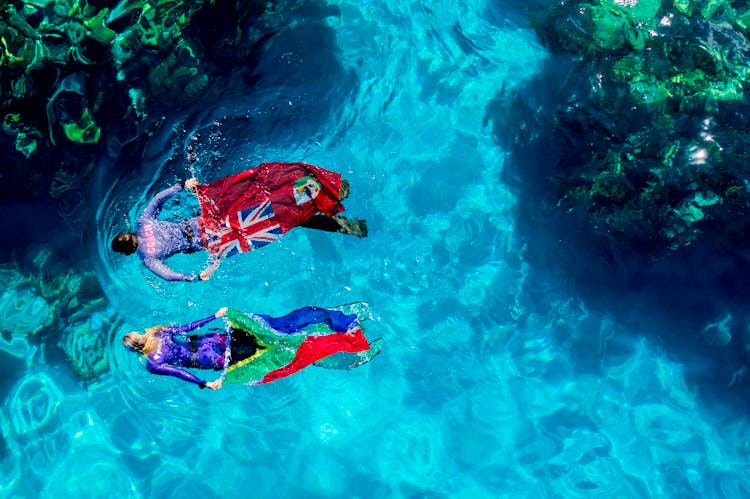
[{"x": 691, "y": 302}]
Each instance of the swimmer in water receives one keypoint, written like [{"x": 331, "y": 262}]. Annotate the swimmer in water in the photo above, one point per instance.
[
  {"x": 156, "y": 240},
  {"x": 275, "y": 346}
]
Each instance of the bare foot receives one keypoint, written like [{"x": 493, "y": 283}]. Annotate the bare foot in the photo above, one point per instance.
[
  {"x": 344, "y": 190},
  {"x": 361, "y": 228},
  {"x": 352, "y": 227}
]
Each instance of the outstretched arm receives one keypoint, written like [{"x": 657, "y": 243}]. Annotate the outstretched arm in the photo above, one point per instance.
[
  {"x": 186, "y": 328},
  {"x": 166, "y": 370},
  {"x": 154, "y": 207},
  {"x": 160, "y": 268}
]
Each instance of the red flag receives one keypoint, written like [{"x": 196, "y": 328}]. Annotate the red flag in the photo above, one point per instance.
[
  {"x": 314, "y": 348},
  {"x": 250, "y": 209}
]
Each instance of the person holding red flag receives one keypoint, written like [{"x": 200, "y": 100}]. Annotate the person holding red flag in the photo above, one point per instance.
[{"x": 241, "y": 213}]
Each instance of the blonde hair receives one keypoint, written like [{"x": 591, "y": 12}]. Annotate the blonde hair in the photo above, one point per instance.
[{"x": 143, "y": 343}]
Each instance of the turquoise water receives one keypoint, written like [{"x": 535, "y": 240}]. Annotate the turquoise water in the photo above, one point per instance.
[{"x": 496, "y": 380}]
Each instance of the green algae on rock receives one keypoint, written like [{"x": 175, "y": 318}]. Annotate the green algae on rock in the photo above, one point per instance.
[{"x": 657, "y": 91}]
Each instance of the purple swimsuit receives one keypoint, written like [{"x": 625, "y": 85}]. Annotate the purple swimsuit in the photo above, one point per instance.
[
  {"x": 159, "y": 239},
  {"x": 178, "y": 349}
]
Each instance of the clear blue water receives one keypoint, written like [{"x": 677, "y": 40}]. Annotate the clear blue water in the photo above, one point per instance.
[{"x": 479, "y": 392}]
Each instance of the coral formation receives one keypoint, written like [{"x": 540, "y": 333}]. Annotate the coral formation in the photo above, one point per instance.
[
  {"x": 84, "y": 342},
  {"x": 81, "y": 76},
  {"x": 656, "y": 97},
  {"x": 37, "y": 307},
  {"x": 86, "y": 80}
]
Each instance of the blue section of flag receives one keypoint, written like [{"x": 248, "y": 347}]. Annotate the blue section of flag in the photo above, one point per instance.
[
  {"x": 253, "y": 228},
  {"x": 257, "y": 212}
]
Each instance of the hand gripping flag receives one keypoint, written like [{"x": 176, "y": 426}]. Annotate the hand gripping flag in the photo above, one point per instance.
[
  {"x": 262, "y": 349},
  {"x": 250, "y": 209}
]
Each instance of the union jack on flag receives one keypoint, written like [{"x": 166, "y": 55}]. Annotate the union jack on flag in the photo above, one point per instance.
[{"x": 253, "y": 228}]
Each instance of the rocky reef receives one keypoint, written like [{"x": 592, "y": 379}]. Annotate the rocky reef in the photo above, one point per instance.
[
  {"x": 631, "y": 167},
  {"x": 84, "y": 86},
  {"x": 47, "y": 310},
  {"x": 78, "y": 78},
  {"x": 650, "y": 120}
]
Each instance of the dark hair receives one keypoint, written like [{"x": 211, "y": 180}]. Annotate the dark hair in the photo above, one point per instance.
[{"x": 124, "y": 243}]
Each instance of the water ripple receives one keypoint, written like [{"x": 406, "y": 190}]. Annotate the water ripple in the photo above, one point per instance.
[{"x": 33, "y": 403}]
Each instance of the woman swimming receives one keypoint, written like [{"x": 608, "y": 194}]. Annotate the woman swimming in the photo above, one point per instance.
[{"x": 257, "y": 348}]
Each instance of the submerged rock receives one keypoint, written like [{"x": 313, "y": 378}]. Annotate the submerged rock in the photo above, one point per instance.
[
  {"x": 60, "y": 308},
  {"x": 651, "y": 121},
  {"x": 22, "y": 310},
  {"x": 79, "y": 77},
  {"x": 85, "y": 343},
  {"x": 68, "y": 110}
]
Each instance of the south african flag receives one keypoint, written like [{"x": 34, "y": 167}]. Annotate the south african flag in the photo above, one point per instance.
[{"x": 263, "y": 348}]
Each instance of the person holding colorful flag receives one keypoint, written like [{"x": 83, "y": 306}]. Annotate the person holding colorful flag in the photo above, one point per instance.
[
  {"x": 241, "y": 213},
  {"x": 254, "y": 348}
]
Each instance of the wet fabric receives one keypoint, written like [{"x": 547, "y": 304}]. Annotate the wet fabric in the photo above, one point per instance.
[
  {"x": 290, "y": 343},
  {"x": 160, "y": 239},
  {"x": 262, "y": 348},
  {"x": 251, "y": 209}
]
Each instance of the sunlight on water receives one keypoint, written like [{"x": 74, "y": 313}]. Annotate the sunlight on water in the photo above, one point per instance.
[{"x": 474, "y": 395}]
